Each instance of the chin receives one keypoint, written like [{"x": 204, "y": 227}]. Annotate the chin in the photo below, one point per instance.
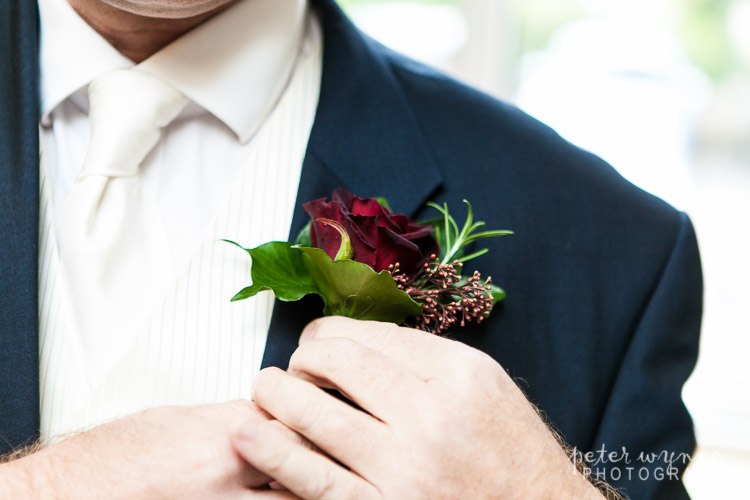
[{"x": 172, "y": 9}]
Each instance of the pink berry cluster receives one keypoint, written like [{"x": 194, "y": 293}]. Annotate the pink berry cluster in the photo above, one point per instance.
[{"x": 446, "y": 297}]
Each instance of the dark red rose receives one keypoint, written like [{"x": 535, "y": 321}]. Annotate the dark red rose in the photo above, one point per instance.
[{"x": 379, "y": 237}]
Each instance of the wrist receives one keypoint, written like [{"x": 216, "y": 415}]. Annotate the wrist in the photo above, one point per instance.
[
  {"x": 51, "y": 473},
  {"x": 568, "y": 485},
  {"x": 22, "y": 478},
  {"x": 565, "y": 480},
  {"x": 584, "y": 490}
]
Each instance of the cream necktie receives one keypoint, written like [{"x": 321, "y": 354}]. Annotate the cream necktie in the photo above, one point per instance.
[{"x": 112, "y": 245}]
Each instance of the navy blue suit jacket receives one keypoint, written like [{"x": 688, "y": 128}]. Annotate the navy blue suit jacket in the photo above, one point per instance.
[{"x": 604, "y": 284}]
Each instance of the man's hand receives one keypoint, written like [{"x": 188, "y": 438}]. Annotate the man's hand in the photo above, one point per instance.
[
  {"x": 439, "y": 420},
  {"x": 174, "y": 452}
]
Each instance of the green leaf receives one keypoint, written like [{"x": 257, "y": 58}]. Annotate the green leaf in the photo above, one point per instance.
[
  {"x": 437, "y": 225},
  {"x": 353, "y": 289},
  {"x": 487, "y": 234},
  {"x": 303, "y": 238},
  {"x": 384, "y": 203},
  {"x": 465, "y": 258},
  {"x": 278, "y": 266},
  {"x": 498, "y": 293},
  {"x": 348, "y": 288}
]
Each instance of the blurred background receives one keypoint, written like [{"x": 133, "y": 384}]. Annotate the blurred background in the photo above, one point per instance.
[{"x": 661, "y": 90}]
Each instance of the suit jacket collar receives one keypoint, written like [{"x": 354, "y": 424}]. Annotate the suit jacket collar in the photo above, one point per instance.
[
  {"x": 364, "y": 130},
  {"x": 364, "y": 138}
]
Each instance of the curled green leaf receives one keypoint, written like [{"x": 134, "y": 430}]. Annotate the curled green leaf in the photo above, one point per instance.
[
  {"x": 353, "y": 289},
  {"x": 348, "y": 288},
  {"x": 345, "y": 248}
]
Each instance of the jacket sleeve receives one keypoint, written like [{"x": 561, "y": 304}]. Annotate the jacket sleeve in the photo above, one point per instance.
[{"x": 645, "y": 415}]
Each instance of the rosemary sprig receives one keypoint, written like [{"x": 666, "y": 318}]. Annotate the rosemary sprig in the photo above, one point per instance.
[{"x": 452, "y": 240}]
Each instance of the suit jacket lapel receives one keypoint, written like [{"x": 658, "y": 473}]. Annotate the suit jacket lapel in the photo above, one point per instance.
[
  {"x": 364, "y": 138},
  {"x": 19, "y": 213}
]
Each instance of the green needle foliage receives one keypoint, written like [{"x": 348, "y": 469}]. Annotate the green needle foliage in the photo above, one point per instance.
[{"x": 453, "y": 241}]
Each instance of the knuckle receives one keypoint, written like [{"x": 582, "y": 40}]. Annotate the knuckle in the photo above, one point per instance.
[
  {"x": 265, "y": 382},
  {"x": 338, "y": 423},
  {"x": 305, "y": 355},
  {"x": 381, "y": 334},
  {"x": 275, "y": 461},
  {"x": 340, "y": 326},
  {"x": 331, "y": 326},
  {"x": 289, "y": 433},
  {"x": 325, "y": 486},
  {"x": 306, "y": 412},
  {"x": 241, "y": 406},
  {"x": 475, "y": 369},
  {"x": 482, "y": 364},
  {"x": 330, "y": 485},
  {"x": 320, "y": 355},
  {"x": 273, "y": 453}
]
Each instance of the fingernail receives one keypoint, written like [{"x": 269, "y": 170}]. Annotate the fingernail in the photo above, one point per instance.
[{"x": 309, "y": 332}]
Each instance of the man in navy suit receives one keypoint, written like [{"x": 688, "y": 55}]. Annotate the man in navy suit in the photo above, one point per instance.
[{"x": 600, "y": 328}]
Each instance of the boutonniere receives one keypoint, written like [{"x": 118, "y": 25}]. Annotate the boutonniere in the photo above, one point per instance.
[{"x": 369, "y": 263}]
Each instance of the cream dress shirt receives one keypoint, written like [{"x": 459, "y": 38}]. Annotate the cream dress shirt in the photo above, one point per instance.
[{"x": 227, "y": 167}]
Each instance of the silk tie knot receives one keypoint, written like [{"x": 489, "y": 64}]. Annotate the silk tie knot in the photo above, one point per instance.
[{"x": 128, "y": 110}]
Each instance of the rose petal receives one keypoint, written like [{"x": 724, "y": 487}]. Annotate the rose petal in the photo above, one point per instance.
[{"x": 379, "y": 237}]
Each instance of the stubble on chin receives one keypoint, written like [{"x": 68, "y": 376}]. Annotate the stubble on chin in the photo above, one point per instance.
[{"x": 168, "y": 9}]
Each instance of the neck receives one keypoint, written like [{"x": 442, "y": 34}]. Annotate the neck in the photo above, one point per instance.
[{"x": 135, "y": 36}]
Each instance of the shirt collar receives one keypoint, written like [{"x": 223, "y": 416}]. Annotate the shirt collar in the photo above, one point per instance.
[{"x": 235, "y": 65}]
